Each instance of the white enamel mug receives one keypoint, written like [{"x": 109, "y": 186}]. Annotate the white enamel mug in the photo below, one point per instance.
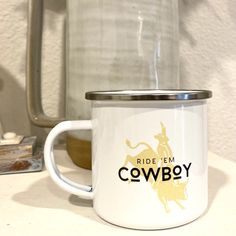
[{"x": 149, "y": 157}]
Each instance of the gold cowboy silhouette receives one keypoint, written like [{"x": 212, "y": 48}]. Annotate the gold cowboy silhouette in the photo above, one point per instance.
[{"x": 172, "y": 190}]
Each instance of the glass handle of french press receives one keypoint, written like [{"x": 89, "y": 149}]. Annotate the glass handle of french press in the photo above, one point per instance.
[{"x": 33, "y": 70}]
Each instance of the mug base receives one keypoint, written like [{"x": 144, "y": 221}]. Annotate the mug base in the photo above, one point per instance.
[{"x": 153, "y": 227}]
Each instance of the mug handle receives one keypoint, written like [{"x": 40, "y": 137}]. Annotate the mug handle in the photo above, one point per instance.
[{"x": 83, "y": 191}]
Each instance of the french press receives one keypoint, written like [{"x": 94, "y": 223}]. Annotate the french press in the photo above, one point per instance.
[{"x": 110, "y": 45}]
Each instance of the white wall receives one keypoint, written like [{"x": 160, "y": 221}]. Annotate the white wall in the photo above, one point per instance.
[
  {"x": 13, "y": 29},
  {"x": 208, "y": 60}
]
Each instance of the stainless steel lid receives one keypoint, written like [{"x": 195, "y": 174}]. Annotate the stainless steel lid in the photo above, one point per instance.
[{"x": 131, "y": 95}]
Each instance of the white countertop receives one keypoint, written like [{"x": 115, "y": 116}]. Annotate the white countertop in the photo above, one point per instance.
[{"x": 31, "y": 204}]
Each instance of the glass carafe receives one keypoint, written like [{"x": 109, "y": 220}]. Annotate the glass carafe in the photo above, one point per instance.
[{"x": 110, "y": 45}]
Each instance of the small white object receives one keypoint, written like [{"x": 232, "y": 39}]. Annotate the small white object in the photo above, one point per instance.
[{"x": 9, "y": 136}]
